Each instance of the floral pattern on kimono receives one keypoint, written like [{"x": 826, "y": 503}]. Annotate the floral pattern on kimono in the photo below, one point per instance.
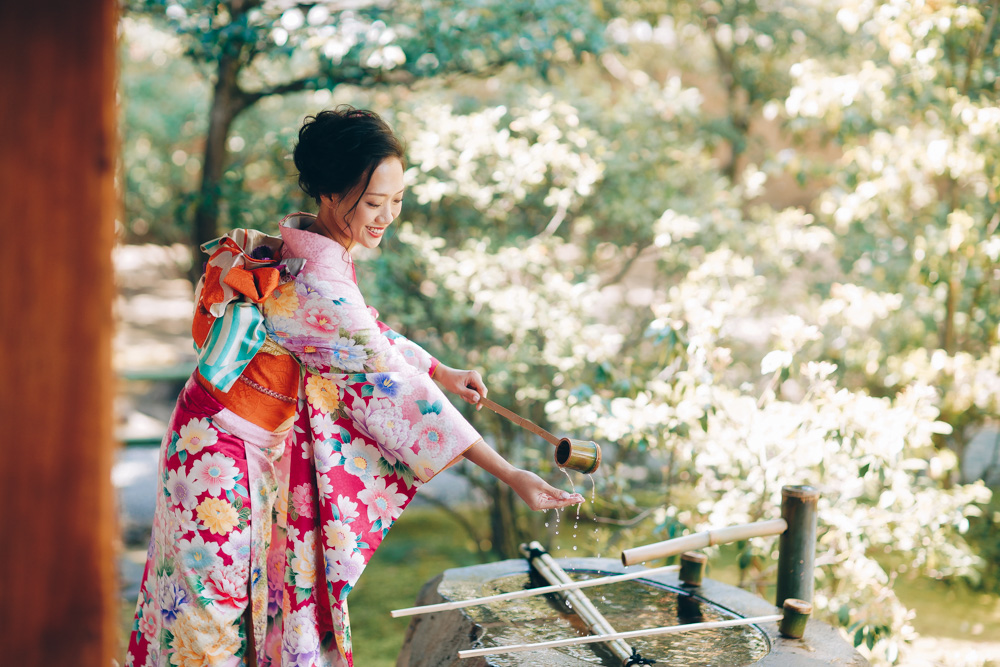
[
  {"x": 217, "y": 485},
  {"x": 371, "y": 428},
  {"x": 211, "y": 526}
]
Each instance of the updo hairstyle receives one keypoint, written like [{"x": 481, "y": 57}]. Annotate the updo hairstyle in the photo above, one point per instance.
[{"x": 339, "y": 149}]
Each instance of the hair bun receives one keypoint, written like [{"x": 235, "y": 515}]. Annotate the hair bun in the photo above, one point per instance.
[{"x": 338, "y": 149}]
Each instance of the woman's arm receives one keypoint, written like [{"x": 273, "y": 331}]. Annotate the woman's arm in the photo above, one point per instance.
[{"x": 532, "y": 489}]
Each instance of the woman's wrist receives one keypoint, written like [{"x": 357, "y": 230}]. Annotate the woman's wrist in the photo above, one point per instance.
[{"x": 487, "y": 458}]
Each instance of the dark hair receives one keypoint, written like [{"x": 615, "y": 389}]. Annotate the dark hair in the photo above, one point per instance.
[{"x": 339, "y": 149}]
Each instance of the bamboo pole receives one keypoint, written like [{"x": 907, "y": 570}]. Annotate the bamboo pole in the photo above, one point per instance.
[
  {"x": 520, "y": 421},
  {"x": 542, "y": 590},
  {"x": 702, "y": 540},
  {"x": 793, "y": 624},
  {"x": 666, "y": 630},
  {"x": 692, "y": 568},
  {"x": 581, "y": 604},
  {"x": 580, "y": 455},
  {"x": 797, "y": 547}
]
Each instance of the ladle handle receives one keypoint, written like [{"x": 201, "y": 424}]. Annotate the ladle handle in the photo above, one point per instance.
[{"x": 520, "y": 421}]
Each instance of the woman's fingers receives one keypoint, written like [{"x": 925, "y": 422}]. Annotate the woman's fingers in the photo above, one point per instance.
[
  {"x": 539, "y": 494},
  {"x": 474, "y": 388},
  {"x": 546, "y": 501}
]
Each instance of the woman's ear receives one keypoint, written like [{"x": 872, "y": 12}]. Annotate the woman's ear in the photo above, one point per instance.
[{"x": 331, "y": 201}]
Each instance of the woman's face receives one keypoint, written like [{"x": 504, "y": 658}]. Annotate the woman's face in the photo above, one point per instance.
[{"x": 376, "y": 209}]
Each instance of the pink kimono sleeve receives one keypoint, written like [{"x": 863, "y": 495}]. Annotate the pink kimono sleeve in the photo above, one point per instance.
[
  {"x": 380, "y": 383},
  {"x": 413, "y": 353}
]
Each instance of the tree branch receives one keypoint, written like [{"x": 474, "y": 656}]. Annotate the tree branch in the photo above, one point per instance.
[
  {"x": 359, "y": 77},
  {"x": 626, "y": 522},
  {"x": 638, "y": 250},
  {"x": 554, "y": 223},
  {"x": 298, "y": 85}
]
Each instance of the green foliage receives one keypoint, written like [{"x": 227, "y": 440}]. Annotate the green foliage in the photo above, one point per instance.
[
  {"x": 255, "y": 49},
  {"x": 163, "y": 107},
  {"x": 749, "y": 245}
]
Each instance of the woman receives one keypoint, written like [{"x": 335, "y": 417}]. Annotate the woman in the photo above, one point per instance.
[{"x": 272, "y": 505}]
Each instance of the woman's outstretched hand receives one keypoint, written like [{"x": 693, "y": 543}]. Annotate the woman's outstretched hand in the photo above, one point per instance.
[
  {"x": 540, "y": 495},
  {"x": 468, "y": 385},
  {"x": 533, "y": 490}
]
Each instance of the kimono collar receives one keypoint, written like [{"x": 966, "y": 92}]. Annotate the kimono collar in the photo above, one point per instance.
[{"x": 313, "y": 247}]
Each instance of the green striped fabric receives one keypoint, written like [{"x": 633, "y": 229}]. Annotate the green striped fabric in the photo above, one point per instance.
[{"x": 233, "y": 341}]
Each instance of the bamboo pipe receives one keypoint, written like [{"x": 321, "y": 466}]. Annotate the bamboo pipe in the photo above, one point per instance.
[
  {"x": 797, "y": 547},
  {"x": 701, "y": 540},
  {"x": 581, "y": 604},
  {"x": 542, "y": 590},
  {"x": 797, "y": 612},
  {"x": 580, "y": 455},
  {"x": 666, "y": 630}
]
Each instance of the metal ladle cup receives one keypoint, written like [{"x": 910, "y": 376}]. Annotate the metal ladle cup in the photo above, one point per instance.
[{"x": 580, "y": 455}]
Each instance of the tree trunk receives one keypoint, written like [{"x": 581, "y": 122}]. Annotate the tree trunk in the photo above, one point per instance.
[
  {"x": 955, "y": 277},
  {"x": 503, "y": 527},
  {"x": 503, "y": 502},
  {"x": 228, "y": 100},
  {"x": 947, "y": 341}
]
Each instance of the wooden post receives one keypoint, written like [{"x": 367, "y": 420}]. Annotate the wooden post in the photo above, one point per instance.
[
  {"x": 796, "y": 613},
  {"x": 58, "y": 604},
  {"x": 797, "y": 548},
  {"x": 692, "y": 568}
]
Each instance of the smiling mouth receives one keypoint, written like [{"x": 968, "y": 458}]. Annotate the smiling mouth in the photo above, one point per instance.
[{"x": 377, "y": 232}]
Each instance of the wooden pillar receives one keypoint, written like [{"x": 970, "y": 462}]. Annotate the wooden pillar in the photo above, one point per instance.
[{"x": 58, "y": 604}]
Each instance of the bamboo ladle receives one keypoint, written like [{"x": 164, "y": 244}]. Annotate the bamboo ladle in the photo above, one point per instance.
[{"x": 580, "y": 455}]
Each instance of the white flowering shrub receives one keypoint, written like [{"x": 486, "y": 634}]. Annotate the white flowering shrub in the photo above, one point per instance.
[
  {"x": 734, "y": 368},
  {"x": 726, "y": 440}
]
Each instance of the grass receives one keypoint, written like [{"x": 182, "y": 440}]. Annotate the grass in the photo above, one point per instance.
[
  {"x": 422, "y": 544},
  {"x": 951, "y": 609}
]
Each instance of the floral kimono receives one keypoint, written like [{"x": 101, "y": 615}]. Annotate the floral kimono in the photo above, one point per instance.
[
  {"x": 292, "y": 516},
  {"x": 371, "y": 428}
]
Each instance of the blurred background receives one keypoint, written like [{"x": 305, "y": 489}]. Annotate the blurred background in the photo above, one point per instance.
[{"x": 739, "y": 243}]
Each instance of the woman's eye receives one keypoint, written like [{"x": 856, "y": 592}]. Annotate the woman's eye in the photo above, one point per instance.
[{"x": 371, "y": 205}]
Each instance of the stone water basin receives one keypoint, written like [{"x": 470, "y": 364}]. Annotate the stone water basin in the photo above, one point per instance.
[{"x": 433, "y": 640}]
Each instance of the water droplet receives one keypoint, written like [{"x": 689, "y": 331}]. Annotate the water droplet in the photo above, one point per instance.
[{"x": 574, "y": 546}]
